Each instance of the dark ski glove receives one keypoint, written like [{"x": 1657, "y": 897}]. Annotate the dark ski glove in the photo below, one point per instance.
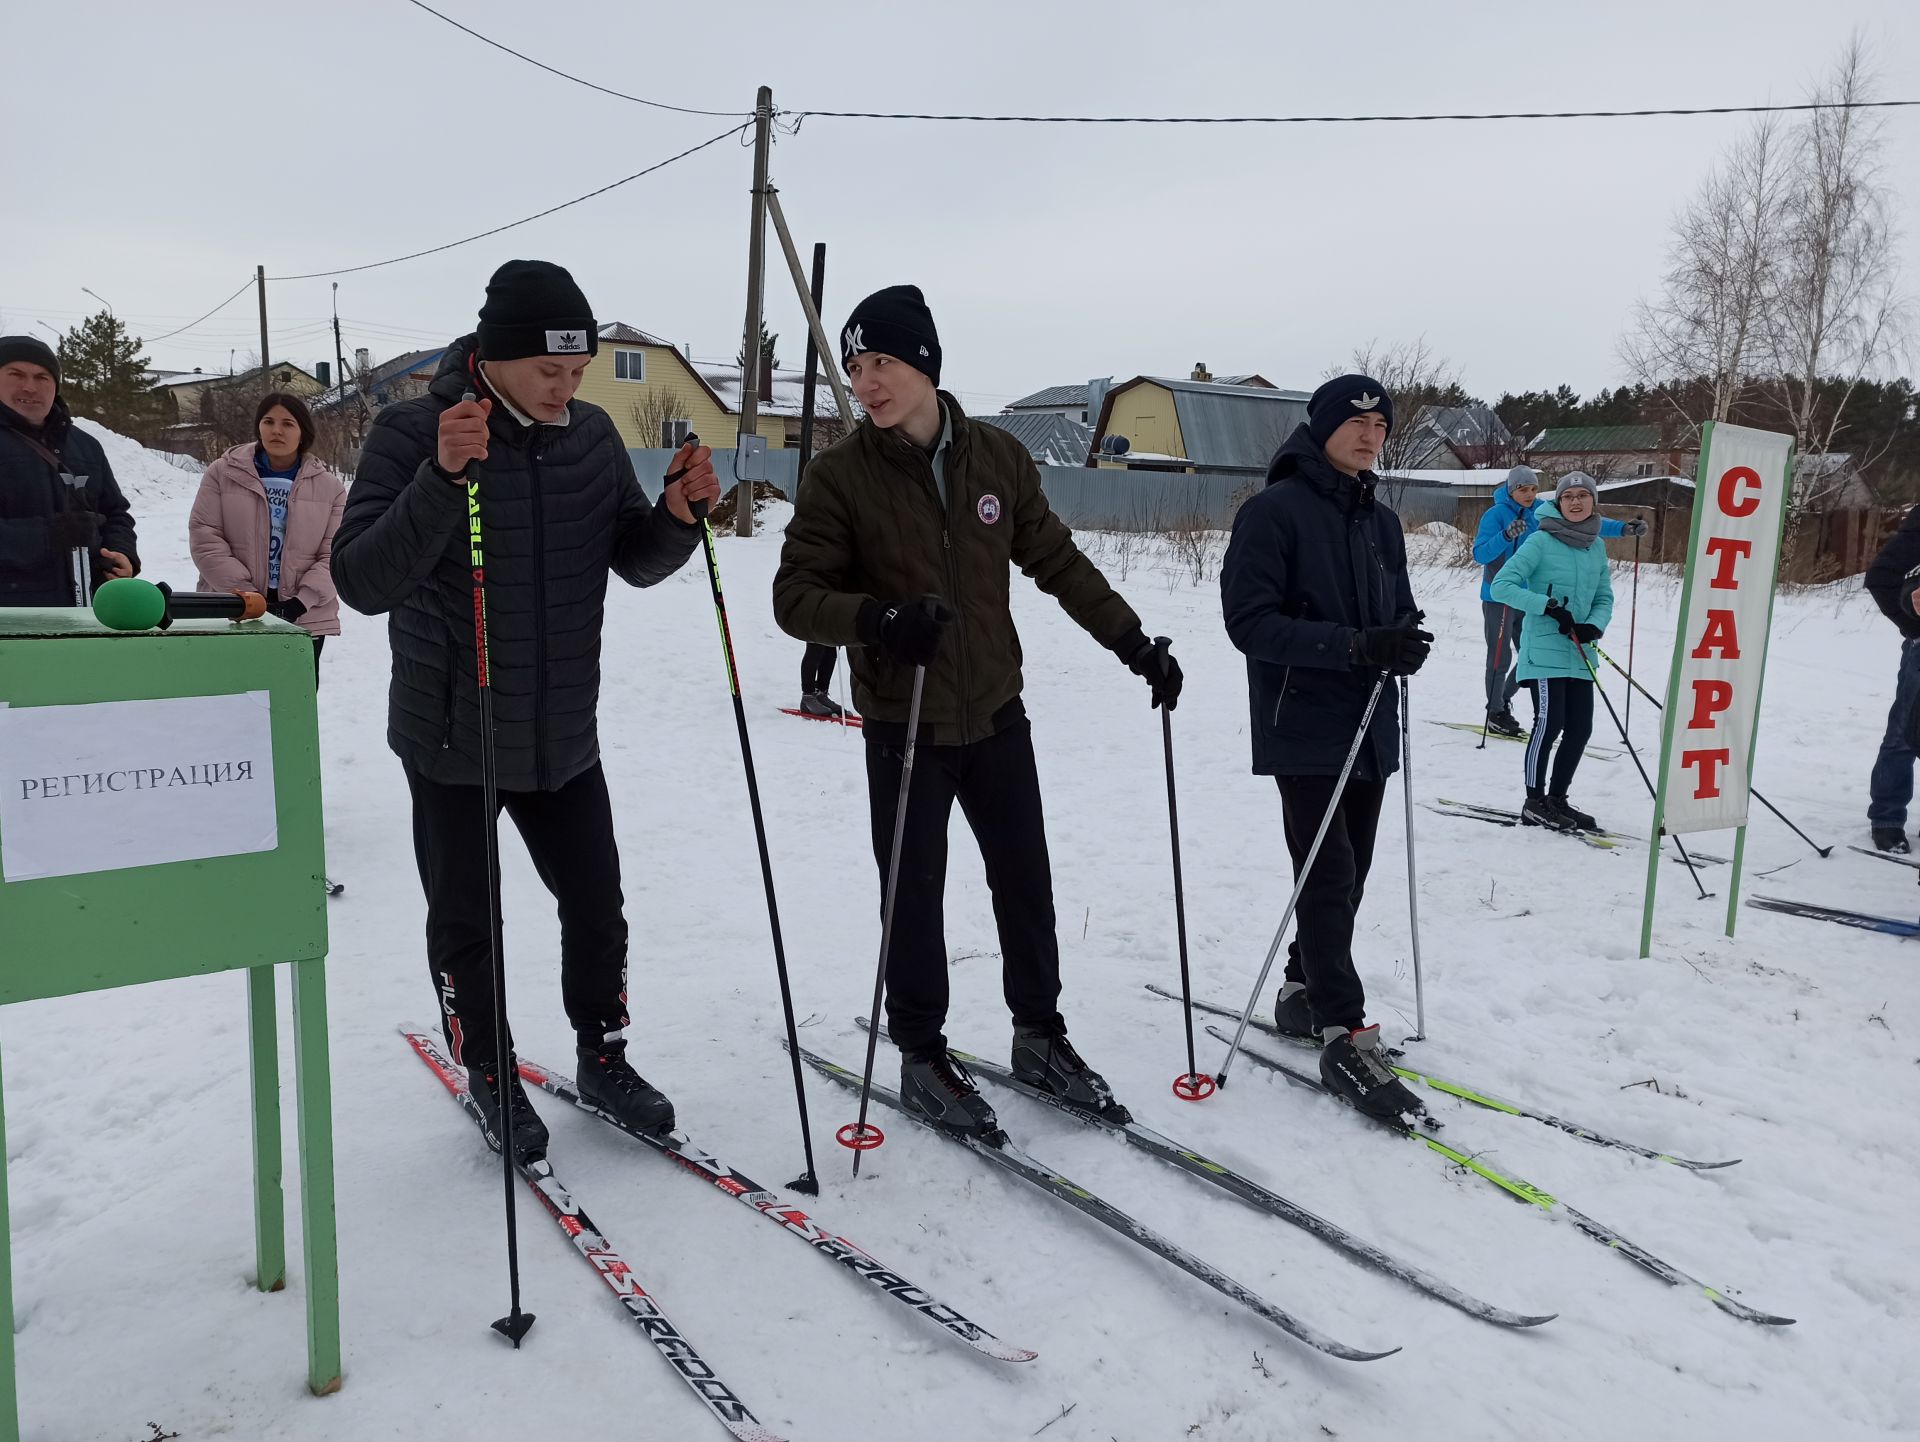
[
  {"x": 1153, "y": 662},
  {"x": 1637, "y": 527},
  {"x": 1400, "y": 649},
  {"x": 1513, "y": 532},
  {"x": 1586, "y": 633},
  {"x": 69, "y": 529},
  {"x": 906, "y": 631},
  {"x": 1558, "y": 613},
  {"x": 291, "y": 609}
]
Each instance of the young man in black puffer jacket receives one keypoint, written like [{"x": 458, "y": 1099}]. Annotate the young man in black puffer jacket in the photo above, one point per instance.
[
  {"x": 1314, "y": 591},
  {"x": 560, "y": 508}
]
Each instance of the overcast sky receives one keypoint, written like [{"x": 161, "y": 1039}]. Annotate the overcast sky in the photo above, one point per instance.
[{"x": 156, "y": 153}]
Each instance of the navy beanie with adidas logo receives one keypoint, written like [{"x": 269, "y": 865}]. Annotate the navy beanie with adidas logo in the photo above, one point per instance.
[
  {"x": 895, "y": 322},
  {"x": 1342, "y": 398}
]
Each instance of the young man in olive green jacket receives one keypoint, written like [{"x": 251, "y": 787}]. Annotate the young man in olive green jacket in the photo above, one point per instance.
[{"x": 900, "y": 549}]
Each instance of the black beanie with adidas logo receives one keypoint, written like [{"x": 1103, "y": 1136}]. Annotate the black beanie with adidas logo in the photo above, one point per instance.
[
  {"x": 895, "y": 322},
  {"x": 535, "y": 308}
]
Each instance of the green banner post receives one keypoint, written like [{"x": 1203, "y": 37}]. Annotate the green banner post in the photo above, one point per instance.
[
  {"x": 1712, "y": 479},
  {"x": 70, "y": 929}
]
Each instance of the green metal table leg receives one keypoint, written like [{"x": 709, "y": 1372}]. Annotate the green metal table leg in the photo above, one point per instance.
[
  {"x": 314, "y": 1083},
  {"x": 9, "y": 1401},
  {"x": 269, "y": 1205}
]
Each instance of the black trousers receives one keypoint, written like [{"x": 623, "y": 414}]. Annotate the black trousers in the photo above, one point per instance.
[
  {"x": 569, "y": 835},
  {"x": 816, "y": 667},
  {"x": 318, "y": 642},
  {"x": 998, "y": 788},
  {"x": 1321, "y": 952},
  {"x": 1563, "y": 712}
]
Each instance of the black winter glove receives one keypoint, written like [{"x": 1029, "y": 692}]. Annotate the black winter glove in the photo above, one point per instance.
[
  {"x": 1514, "y": 531},
  {"x": 1586, "y": 633},
  {"x": 1637, "y": 527},
  {"x": 72, "y": 528},
  {"x": 1153, "y": 662},
  {"x": 1558, "y": 613},
  {"x": 906, "y": 631},
  {"x": 291, "y": 609},
  {"x": 1400, "y": 649}
]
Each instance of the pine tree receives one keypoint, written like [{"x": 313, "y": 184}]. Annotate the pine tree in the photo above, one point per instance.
[
  {"x": 767, "y": 343},
  {"x": 104, "y": 377}
]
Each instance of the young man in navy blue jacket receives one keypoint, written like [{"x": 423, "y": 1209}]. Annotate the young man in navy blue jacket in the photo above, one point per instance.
[{"x": 1314, "y": 591}]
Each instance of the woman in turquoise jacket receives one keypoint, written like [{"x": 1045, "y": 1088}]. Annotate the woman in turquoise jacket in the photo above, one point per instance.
[{"x": 1560, "y": 579}]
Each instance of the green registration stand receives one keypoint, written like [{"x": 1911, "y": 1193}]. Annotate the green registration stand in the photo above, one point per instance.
[{"x": 88, "y": 930}]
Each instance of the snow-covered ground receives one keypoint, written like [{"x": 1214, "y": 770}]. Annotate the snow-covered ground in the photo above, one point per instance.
[{"x": 1793, "y": 1047}]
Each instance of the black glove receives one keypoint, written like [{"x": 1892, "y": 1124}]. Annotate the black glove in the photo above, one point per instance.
[
  {"x": 1558, "y": 613},
  {"x": 70, "y": 529},
  {"x": 1586, "y": 633},
  {"x": 1153, "y": 662},
  {"x": 1637, "y": 527},
  {"x": 1400, "y": 649},
  {"x": 906, "y": 631},
  {"x": 291, "y": 609},
  {"x": 1513, "y": 532}
]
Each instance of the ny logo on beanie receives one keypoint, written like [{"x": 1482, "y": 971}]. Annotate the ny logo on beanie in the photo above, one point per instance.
[{"x": 853, "y": 342}]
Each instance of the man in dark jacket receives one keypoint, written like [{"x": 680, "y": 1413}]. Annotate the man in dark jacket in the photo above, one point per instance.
[
  {"x": 551, "y": 483},
  {"x": 64, "y": 526},
  {"x": 900, "y": 549},
  {"x": 1890, "y": 785},
  {"x": 1314, "y": 591}
]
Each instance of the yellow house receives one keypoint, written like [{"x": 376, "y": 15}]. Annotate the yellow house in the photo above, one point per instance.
[
  {"x": 1201, "y": 425},
  {"x": 641, "y": 380}
]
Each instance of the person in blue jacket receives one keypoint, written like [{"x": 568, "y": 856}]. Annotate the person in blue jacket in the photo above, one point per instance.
[
  {"x": 1559, "y": 579},
  {"x": 1314, "y": 592},
  {"x": 1503, "y": 530}
]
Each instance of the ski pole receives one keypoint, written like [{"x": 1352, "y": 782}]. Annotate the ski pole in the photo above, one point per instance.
[
  {"x": 1413, "y": 890},
  {"x": 858, "y": 1135},
  {"x": 1633, "y": 625},
  {"x": 516, "y": 1323},
  {"x": 1753, "y": 791},
  {"x": 806, "y": 1182},
  {"x": 1193, "y": 1086},
  {"x": 1300, "y": 883},
  {"x": 1632, "y": 751}
]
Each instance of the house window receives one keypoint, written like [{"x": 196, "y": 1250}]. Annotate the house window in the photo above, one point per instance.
[
  {"x": 629, "y": 365},
  {"x": 1643, "y": 468}
]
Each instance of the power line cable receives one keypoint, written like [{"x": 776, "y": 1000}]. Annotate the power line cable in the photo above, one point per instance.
[
  {"x": 1349, "y": 119},
  {"x": 149, "y": 340},
  {"x": 553, "y": 70},
  {"x": 524, "y": 220}
]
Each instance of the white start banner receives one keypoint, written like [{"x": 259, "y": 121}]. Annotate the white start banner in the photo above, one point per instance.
[
  {"x": 113, "y": 784},
  {"x": 1720, "y": 651}
]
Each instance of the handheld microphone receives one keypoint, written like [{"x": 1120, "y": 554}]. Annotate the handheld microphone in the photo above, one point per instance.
[{"x": 131, "y": 604}]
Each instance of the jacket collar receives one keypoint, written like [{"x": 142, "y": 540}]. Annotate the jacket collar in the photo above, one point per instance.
[
  {"x": 1302, "y": 457},
  {"x": 50, "y": 433}
]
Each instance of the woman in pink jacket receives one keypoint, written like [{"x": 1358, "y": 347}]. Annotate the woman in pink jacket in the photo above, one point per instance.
[{"x": 265, "y": 517}]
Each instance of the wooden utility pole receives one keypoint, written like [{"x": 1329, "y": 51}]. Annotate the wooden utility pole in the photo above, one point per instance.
[
  {"x": 339, "y": 356},
  {"x": 756, "y": 279},
  {"x": 260, "y": 277},
  {"x": 815, "y": 331},
  {"x": 808, "y": 386}
]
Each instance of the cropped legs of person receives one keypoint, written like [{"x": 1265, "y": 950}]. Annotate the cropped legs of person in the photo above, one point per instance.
[{"x": 1320, "y": 957}]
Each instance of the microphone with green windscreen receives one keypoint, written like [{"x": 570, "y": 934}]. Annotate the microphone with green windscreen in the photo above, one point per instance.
[{"x": 130, "y": 604}]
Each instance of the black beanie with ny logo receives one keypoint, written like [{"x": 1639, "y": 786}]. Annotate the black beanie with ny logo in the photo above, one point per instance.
[{"x": 894, "y": 322}]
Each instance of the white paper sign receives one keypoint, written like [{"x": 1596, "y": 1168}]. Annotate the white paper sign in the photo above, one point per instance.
[
  {"x": 1714, "y": 701},
  {"x": 113, "y": 784}
]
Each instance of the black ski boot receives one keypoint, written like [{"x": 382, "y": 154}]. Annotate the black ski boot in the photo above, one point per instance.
[
  {"x": 1892, "y": 839},
  {"x": 1291, "y": 1014},
  {"x": 1579, "y": 819},
  {"x": 935, "y": 1086},
  {"x": 529, "y": 1132},
  {"x": 819, "y": 703},
  {"x": 1046, "y": 1059},
  {"x": 1545, "y": 811},
  {"x": 608, "y": 1080},
  {"x": 1503, "y": 723},
  {"x": 1353, "y": 1069}
]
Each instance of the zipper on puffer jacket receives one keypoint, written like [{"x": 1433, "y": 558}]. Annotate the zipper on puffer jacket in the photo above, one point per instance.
[
  {"x": 1286, "y": 677},
  {"x": 536, "y": 445}
]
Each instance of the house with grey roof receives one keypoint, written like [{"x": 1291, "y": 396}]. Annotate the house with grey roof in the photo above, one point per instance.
[{"x": 1052, "y": 440}]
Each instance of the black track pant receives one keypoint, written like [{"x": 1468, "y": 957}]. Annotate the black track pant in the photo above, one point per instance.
[
  {"x": 1321, "y": 953},
  {"x": 998, "y": 789},
  {"x": 816, "y": 667},
  {"x": 569, "y": 835},
  {"x": 1565, "y": 714}
]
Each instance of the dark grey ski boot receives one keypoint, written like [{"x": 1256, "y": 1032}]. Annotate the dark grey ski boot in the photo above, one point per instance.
[
  {"x": 1354, "y": 1070},
  {"x": 1045, "y": 1059},
  {"x": 608, "y": 1080},
  {"x": 1291, "y": 1014},
  {"x": 935, "y": 1086},
  {"x": 529, "y": 1132}
]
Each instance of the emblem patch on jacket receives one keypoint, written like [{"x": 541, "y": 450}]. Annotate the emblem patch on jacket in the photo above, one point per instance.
[{"x": 988, "y": 509}]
